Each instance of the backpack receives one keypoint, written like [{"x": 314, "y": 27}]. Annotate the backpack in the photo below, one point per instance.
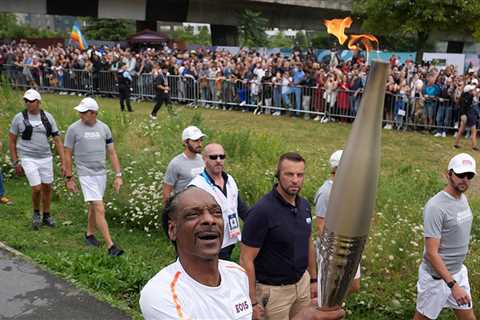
[{"x": 27, "y": 133}]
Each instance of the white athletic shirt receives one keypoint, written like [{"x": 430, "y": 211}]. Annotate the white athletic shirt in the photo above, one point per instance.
[{"x": 173, "y": 294}]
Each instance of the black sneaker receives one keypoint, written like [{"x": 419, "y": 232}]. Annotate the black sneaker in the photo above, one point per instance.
[
  {"x": 114, "y": 251},
  {"x": 48, "y": 221},
  {"x": 91, "y": 240},
  {"x": 36, "y": 220}
]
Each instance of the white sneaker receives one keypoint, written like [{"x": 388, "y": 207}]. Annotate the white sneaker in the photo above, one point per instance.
[
  {"x": 444, "y": 134},
  {"x": 324, "y": 120},
  {"x": 152, "y": 116},
  {"x": 438, "y": 134},
  {"x": 276, "y": 114},
  {"x": 243, "y": 103},
  {"x": 317, "y": 118}
]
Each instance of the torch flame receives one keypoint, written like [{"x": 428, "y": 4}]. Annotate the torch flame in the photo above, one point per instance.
[
  {"x": 365, "y": 39},
  {"x": 337, "y": 28}
]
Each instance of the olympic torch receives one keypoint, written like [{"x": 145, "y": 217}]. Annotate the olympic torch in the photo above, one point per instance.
[{"x": 352, "y": 200}]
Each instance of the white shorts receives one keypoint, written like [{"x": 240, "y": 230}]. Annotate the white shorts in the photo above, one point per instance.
[
  {"x": 434, "y": 295},
  {"x": 38, "y": 171},
  {"x": 93, "y": 187}
]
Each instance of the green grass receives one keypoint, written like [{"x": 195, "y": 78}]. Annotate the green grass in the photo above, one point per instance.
[{"x": 411, "y": 172}]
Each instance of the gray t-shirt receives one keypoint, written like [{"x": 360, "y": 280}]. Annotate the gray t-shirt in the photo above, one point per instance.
[
  {"x": 181, "y": 170},
  {"x": 321, "y": 198},
  {"x": 39, "y": 146},
  {"x": 449, "y": 220},
  {"x": 89, "y": 145}
]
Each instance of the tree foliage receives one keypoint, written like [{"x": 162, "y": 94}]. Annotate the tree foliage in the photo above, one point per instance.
[
  {"x": 301, "y": 40},
  {"x": 108, "y": 29},
  {"x": 11, "y": 29},
  {"x": 252, "y": 29},
  {"x": 280, "y": 40},
  {"x": 417, "y": 19},
  {"x": 186, "y": 34}
]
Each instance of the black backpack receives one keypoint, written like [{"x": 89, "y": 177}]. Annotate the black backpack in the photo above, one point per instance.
[{"x": 27, "y": 133}]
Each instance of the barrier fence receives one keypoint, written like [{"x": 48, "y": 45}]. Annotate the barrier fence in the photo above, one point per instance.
[{"x": 400, "y": 110}]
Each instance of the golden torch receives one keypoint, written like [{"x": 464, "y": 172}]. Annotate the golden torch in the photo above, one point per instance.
[{"x": 352, "y": 200}]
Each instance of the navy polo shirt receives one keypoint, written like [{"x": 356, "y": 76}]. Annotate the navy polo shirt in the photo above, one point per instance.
[{"x": 282, "y": 232}]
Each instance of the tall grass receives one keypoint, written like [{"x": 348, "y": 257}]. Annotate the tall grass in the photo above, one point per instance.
[{"x": 410, "y": 174}]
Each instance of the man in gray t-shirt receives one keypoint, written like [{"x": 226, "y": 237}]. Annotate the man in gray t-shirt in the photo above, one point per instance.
[
  {"x": 443, "y": 279},
  {"x": 184, "y": 167},
  {"x": 321, "y": 203},
  {"x": 88, "y": 141},
  {"x": 29, "y": 146}
]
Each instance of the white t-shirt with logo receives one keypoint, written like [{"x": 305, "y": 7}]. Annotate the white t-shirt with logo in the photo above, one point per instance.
[{"x": 173, "y": 294}]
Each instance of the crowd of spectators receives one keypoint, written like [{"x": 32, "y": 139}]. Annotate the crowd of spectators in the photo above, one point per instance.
[{"x": 424, "y": 95}]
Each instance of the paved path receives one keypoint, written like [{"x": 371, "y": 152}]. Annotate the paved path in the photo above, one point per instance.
[{"x": 29, "y": 293}]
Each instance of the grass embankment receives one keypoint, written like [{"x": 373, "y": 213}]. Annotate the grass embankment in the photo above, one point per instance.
[{"x": 410, "y": 173}]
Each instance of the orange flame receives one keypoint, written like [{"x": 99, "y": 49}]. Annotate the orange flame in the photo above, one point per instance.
[
  {"x": 365, "y": 39},
  {"x": 337, "y": 28}
]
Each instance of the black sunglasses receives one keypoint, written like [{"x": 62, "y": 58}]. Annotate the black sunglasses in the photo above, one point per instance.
[
  {"x": 29, "y": 101},
  {"x": 216, "y": 156},
  {"x": 469, "y": 175}
]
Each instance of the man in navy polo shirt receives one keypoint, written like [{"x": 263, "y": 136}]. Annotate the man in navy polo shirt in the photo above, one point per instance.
[{"x": 277, "y": 248}]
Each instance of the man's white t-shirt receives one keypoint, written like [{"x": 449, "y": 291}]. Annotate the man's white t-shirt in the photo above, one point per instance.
[{"x": 173, "y": 294}]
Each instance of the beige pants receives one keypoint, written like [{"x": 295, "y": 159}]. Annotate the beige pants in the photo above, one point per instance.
[{"x": 283, "y": 302}]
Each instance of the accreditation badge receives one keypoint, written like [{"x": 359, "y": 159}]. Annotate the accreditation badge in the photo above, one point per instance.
[{"x": 233, "y": 225}]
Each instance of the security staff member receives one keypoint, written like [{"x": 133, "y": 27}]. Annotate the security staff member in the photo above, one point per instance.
[
  {"x": 224, "y": 189},
  {"x": 124, "y": 87},
  {"x": 277, "y": 248}
]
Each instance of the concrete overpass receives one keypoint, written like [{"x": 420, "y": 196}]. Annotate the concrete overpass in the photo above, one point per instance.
[{"x": 222, "y": 15}]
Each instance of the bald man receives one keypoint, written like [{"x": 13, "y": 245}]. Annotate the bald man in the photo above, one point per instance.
[{"x": 224, "y": 189}]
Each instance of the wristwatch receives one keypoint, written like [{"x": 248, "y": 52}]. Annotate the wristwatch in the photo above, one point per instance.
[
  {"x": 118, "y": 174},
  {"x": 451, "y": 284}
]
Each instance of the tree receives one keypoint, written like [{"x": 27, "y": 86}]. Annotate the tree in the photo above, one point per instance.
[
  {"x": 301, "y": 40},
  {"x": 10, "y": 29},
  {"x": 321, "y": 40},
  {"x": 252, "y": 29},
  {"x": 417, "y": 19},
  {"x": 108, "y": 29},
  {"x": 186, "y": 34},
  {"x": 280, "y": 41},
  {"x": 204, "y": 37}
]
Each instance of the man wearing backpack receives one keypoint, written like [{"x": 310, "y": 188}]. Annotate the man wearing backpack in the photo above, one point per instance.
[{"x": 31, "y": 153}]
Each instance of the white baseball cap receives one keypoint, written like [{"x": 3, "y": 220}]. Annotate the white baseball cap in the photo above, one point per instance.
[
  {"x": 474, "y": 81},
  {"x": 335, "y": 159},
  {"x": 87, "y": 104},
  {"x": 192, "y": 133},
  {"x": 469, "y": 87},
  {"x": 462, "y": 163},
  {"x": 32, "y": 95}
]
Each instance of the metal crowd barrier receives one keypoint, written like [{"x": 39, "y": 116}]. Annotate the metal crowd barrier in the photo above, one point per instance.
[{"x": 400, "y": 111}]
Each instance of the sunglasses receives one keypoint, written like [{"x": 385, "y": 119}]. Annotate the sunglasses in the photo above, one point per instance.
[
  {"x": 469, "y": 175},
  {"x": 216, "y": 156},
  {"x": 29, "y": 101}
]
